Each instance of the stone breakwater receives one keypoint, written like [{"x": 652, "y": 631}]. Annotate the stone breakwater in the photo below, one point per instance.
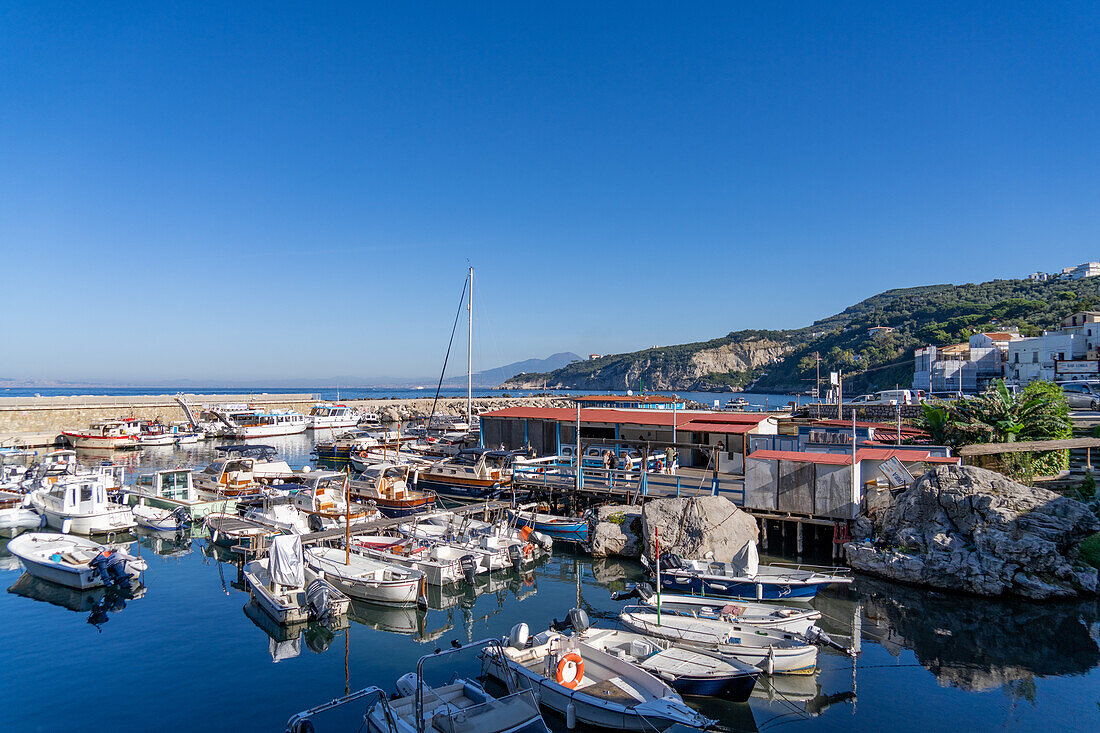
[{"x": 43, "y": 418}]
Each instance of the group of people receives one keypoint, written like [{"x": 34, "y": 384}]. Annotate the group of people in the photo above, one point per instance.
[{"x": 613, "y": 462}]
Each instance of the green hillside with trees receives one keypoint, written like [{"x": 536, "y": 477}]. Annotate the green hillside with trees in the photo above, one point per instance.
[{"x": 934, "y": 314}]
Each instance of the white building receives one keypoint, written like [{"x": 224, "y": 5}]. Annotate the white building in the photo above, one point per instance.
[
  {"x": 1039, "y": 357},
  {"x": 1085, "y": 269}
]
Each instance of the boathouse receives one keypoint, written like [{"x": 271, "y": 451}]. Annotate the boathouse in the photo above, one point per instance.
[
  {"x": 549, "y": 430},
  {"x": 631, "y": 402},
  {"x": 824, "y": 484}
]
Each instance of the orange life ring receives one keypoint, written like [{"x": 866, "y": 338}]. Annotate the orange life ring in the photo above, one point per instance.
[
  {"x": 528, "y": 549},
  {"x": 525, "y": 533},
  {"x": 529, "y": 579},
  {"x": 578, "y": 670}
]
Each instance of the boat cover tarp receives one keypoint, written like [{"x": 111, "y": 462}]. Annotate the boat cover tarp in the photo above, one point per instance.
[
  {"x": 286, "y": 566},
  {"x": 747, "y": 560}
]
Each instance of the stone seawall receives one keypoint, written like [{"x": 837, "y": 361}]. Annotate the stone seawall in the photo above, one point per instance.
[
  {"x": 871, "y": 413},
  {"x": 40, "y": 420}
]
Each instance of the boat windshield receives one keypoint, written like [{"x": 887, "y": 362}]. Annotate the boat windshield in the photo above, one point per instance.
[{"x": 214, "y": 469}]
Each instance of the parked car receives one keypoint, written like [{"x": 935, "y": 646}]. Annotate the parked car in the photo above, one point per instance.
[
  {"x": 891, "y": 397},
  {"x": 1082, "y": 395}
]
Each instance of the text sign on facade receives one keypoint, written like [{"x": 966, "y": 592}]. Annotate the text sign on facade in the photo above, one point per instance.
[
  {"x": 1079, "y": 366},
  {"x": 895, "y": 473},
  {"x": 834, "y": 378}
]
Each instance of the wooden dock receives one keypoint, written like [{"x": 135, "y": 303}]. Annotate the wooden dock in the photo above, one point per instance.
[{"x": 377, "y": 525}]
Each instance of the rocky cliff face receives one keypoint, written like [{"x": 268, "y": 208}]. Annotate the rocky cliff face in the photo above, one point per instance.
[
  {"x": 969, "y": 529},
  {"x": 663, "y": 369}
]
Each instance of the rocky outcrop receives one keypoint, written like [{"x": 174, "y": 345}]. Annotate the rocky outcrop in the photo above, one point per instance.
[
  {"x": 615, "y": 531},
  {"x": 969, "y": 529},
  {"x": 391, "y": 411},
  {"x": 697, "y": 527},
  {"x": 659, "y": 369}
]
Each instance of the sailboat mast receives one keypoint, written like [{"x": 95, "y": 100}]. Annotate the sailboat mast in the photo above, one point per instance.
[{"x": 470, "y": 354}]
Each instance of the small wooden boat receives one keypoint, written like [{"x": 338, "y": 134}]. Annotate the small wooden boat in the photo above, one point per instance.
[
  {"x": 106, "y": 435},
  {"x": 775, "y": 652},
  {"x": 388, "y": 487},
  {"x": 744, "y": 577},
  {"x": 75, "y": 562},
  {"x": 588, "y": 685},
  {"x": 286, "y": 590},
  {"x": 572, "y": 529},
  {"x": 688, "y": 671},
  {"x": 364, "y": 577},
  {"x": 745, "y": 613},
  {"x": 474, "y": 474}
]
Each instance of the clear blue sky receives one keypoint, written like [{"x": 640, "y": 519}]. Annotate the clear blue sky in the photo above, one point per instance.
[{"x": 281, "y": 191}]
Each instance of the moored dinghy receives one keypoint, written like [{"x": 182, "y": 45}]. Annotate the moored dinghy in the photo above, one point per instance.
[
  {"x": 283, "y": 587},
  {"x": 775, "y": 652},
  {"x": 744, "y": 577},
  {"x": 688, "y": 671},
  {"x": 588, "y": 685},
  {"x": 161, "y": 520},
  {"x": 746, "y": 613},
  {"x": 75, "y": 562},
  {"x": 364, "y": 577}
]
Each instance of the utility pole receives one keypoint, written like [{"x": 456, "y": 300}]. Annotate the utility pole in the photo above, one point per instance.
[
  {"x": 470, "y": 354},
  {"x": 817, "y": 383}
]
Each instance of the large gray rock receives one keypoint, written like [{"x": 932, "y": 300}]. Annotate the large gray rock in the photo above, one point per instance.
[
  {"x": 969, "y": 529},
  {"x": 615, "y": 531},
  {"x": 697, "y": 527}
]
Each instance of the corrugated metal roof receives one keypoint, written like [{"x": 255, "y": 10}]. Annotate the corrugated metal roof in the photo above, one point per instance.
[
  {"x": 660, "y": 418},
  {"x": 716, "y": 427},
  {"x": 845, "y": 459}
]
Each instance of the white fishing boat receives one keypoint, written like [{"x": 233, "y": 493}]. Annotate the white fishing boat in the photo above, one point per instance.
[
  {"x": 487, "y": 560},
  {"x": 156, "y": 433},
  {"x": 587, "y": 685},
  {"x": 324, "y": 503},
  {"x": 328, "y": 416},
  {"x": 364, "y": 577},
  {"x": 106, "y": 434},
  {"x": 80, "y": 504},
  {"x": 746, "y": 613},
  {"x": 688, "y": 671},
  {"x": 462, "y": 706},
  {"x": 281, "y": 514},
  {"x": 74, "y": 562},
  {"x": 287, "y": 590},
  {"x": 175, "y": 489},
  {"x": 265, "y": 424},
  {"x": 775, "y": 652},
  {"x": 242, "y": 469}
]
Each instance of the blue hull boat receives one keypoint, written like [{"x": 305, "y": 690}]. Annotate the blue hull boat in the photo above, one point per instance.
[
  {"x": 692, "y": 584},
  {"x": 560, "y": 528}
]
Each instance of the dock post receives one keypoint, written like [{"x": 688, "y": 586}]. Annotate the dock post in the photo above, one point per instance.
[
  {"x": 677, "y": 486},
  {"x": 798, "y": 538},
  {"x": 764, "y": 534}
]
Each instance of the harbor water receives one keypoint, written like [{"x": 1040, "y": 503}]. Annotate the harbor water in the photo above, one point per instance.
[{"x": 190, "y": 651}]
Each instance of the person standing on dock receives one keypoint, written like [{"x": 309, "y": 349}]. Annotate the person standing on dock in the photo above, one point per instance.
[
  {"x": 614, "y": 468},
  {"x": 670, "y": 457},
  {"x": 628, "y": 466},
  {"x": 607, "y": 465}
]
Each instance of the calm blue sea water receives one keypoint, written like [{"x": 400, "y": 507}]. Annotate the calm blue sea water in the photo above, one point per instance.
[
  {"x": 191, "y": 653},
  {"x": 706, "y": 398}
]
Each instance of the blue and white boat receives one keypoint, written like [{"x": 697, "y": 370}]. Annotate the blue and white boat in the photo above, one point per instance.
[
  {"x": 570, "y": 529},
  {"x": 745, "y": 578}
]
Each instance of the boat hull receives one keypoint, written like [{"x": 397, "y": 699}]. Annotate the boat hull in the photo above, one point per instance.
[
  {"x": 102, "y": 442},
  {"x": 568, "y": 531},
  {"x": 690, "y": 583},
  {"x": 88, "y": 524},
  {"x": 470, "y": 490}
]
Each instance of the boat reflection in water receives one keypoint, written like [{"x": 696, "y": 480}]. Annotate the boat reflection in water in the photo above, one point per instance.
[
  {"x": 976, "y": 644},
  {"x": 285, "y": 642},
  {"x": 166, "y": 543},
  {"x": 98, "y": 603}
]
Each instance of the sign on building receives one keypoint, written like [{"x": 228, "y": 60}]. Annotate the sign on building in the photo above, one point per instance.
[
  {"x": 834, "y": 378},
  {"x": 897, "y": 474},
  {"x": 1077, "y": 366}
]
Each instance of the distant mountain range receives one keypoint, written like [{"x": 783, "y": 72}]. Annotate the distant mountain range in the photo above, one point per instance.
[{"x": 494, "y": 377}]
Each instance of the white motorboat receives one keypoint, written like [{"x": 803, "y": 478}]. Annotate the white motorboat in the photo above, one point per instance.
[
  {"x": 588, "y": 685},
  {"x": 279, "y": 513},
  {"x": 75, "y": 562},
  {"x": 175, "y": 489},
  {"x": 106, "y": 434},
  {"x": 775, "y": 652},
  {"x": 688, "y": 671},
  {"x": 237, "y": 420},
  {"x": 328, "y": 416},
  {"x": 80, "y": 504},
  {"x": 161, "y": 520},
  {"x": 364, "y": 577},
  {"x": 287, "y": 590},
  {"x": 463, "y": 706},
  {"x": 441, "y": 564},
  {"x": 245, "y": 469},
  {"x": 322, "y": 498},
  {"x": 745, "y": 613},
  {"x": 487, "y": 560}
]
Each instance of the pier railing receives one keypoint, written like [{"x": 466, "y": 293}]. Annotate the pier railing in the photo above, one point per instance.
[{"x": 636, "y": 484}]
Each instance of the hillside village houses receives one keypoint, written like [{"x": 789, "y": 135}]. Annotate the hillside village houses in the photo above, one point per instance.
[{"x": 1069, "y": 353}]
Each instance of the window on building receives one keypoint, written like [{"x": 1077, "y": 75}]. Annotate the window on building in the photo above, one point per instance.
[
  {"x": 1061, "y": 356},
  {"x": 1034, "y": 357}
]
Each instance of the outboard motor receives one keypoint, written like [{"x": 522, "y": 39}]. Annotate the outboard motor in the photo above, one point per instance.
[
  {"x": 317, "y": 597},
  {"x": 182, "y": 517},
  {"x": 469, "y": 568},
  {"x": 407, "y": 684},
  {"x": 578, "y": 619},
  {"x": 516, "y": 557},
  {"x": 519, "y": 636},
  {"x": 111, "y": 569},
  {"x": 671, "y": 561}
]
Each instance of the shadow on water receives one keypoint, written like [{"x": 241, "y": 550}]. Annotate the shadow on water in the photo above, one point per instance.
[{"x": 977, "y": 644}]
